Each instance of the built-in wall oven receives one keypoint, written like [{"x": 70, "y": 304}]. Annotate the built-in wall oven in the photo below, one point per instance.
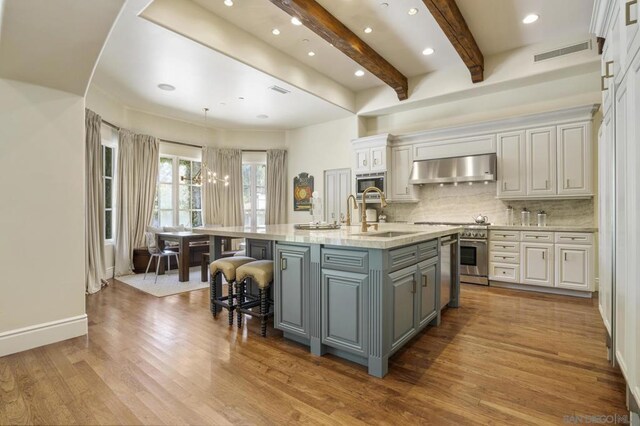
[{"x": 366, "y": 180}]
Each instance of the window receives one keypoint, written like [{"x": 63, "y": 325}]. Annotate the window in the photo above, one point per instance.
[
  {"x": 108, "y": 167},
  {"x": 254, "y": 193},
  {"x": 178, "y": 199}
]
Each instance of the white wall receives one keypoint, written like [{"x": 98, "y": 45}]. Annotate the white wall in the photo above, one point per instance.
[
  {"x": 42, "y": 249},
  {"x": 313, "y": 150},
  {"x": 550, "y": 95}
]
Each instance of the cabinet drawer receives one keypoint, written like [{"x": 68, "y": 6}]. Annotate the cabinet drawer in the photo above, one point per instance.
[
  {"x": 497, "y": 257},
  {"x": 345, "y": 260},
  {"x": 427, "y": 250},
  {"x": 504, "y": 272},
  {"x": 504, "y": 246},
  {"x": 574, "y": 237},
  {"x": 542, "y": 237},
  {"x": 403, "y": 257},
  {"x": 504, "y": 235}
]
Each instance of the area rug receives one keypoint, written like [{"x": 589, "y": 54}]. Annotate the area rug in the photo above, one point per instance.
[{"x": 167, "y": 284}]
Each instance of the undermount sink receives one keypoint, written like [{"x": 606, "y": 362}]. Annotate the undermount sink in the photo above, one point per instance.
[{"x": 389, "y": 234}]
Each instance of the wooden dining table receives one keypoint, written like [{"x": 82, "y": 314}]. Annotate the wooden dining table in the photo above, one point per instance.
[{"x": 183, "y": 239}]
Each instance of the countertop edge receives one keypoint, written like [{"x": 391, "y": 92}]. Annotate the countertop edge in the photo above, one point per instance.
[{"x": 550, "y": 228}]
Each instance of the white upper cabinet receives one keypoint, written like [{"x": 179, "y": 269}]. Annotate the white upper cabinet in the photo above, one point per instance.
[
  {"x": 574, "y": 159},
  {"x": 363, "y": 160},
  {"x": 370, "y": 154},
  {"x": 399, "y": 188},
  {"x": 379, "y": 158},
  {"x": 541, "y": 161},
  {"x": 511, "y": 164}
]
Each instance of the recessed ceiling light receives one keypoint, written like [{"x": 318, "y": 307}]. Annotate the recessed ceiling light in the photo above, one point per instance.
[
  {"x": 262, "y": 116},
  {"x": 275, "y": 31},
  {"x": 241, "y": 98},
  {"x": 222, "y": 103},
  {"x": 305, "y": 40},
  {"x": 428, "y": 51},
  {"x": 311, "y": 53},
  {"x": 228, "y": 3},
  {"x": 384, "y": 4},
  {"x": 295, "y": 21},
  {"x": 167, "y": 87},
  {"x": 530, "y": 19},
  {"x": 359, "y": 73},
  {"x": 413, "y": 11},
  {"x": 368, "y": 30}
]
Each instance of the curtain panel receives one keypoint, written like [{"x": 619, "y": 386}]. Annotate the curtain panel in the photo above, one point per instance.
[
  {"x": 138, "y": 157},
  {"x": 94, "y": 206},
  {"x": 223, "y": 204},
  {"x": 276, "y": 188}
]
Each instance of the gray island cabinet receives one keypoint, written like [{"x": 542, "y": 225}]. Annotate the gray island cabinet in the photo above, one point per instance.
[{"x": 356, "y": 296}]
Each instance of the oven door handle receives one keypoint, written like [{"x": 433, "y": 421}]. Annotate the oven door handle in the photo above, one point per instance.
[{"x": 483, "y": 242}]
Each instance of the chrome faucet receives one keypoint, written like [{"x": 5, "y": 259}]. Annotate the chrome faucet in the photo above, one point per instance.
[
  {"x": 383, "y": 203},
  {"x": 355, "y": 206}
]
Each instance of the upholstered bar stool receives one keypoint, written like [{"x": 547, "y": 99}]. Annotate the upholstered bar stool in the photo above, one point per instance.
[
  {"x": 227, "y": 266},
  {"x": 261, "y": 273}
]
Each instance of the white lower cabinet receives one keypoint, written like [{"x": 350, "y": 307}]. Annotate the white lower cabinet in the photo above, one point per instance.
[
  {"x": 537, "y": 264},
  {"x": 574, "y": 266},
  {"x": 562, "y": 260}
]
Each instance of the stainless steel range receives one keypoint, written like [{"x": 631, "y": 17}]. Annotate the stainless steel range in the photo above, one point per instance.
[{"x": 474, "y": 251}]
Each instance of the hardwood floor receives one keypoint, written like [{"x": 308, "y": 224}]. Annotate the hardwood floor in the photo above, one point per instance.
[{"x": 504, "y": 357}]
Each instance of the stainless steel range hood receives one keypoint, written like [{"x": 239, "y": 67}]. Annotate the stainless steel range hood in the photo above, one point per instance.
[{"x": 473, "y": 168}]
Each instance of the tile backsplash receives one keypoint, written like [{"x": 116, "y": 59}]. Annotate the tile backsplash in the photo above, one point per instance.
[{"x": 464, "y": 202}]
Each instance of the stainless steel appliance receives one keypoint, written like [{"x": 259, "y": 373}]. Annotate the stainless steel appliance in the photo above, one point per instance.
[
  {"x": 447, "y": 277},
  {"x": 473, "y": 168},
  {"x": 366, "y": 180},
  {"x": 474, "y": 251}
]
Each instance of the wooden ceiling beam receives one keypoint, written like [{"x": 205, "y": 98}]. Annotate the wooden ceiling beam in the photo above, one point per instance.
[
  {"x": 327, "y": 26},
  {"x": 452, "y": 23}
]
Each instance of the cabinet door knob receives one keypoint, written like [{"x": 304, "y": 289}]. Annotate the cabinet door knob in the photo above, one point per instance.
[
  {"x": 568, "y": 186},
  {"x": 627, "y": 13},
  {"x": 364, "y": 162},
  {"x": 413, "y": 289},
  {"x": 375, "y": 161},
  {"x": 283, "y": 263},
  {"x": 565, "y": 256},
  {"x": 542, "y": 255},
  {"x": 424, "y": 281},
  {"x": 602, "y": 88}
]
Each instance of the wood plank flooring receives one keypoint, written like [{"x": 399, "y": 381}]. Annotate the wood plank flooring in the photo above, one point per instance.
[{"x": 504, "y": 357}]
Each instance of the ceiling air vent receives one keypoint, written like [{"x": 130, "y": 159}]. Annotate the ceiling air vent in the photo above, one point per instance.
[
  {"x": 585, "y": 45},
  {"x": 279, "y": 89}
]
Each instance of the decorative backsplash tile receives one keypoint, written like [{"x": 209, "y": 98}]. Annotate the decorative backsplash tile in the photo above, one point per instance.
[{"x": 464, "y": 202}]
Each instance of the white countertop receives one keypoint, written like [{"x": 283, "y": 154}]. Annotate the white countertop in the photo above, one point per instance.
[
  {"x": 349, "y": 236},
  {"x": 550, "y": 228}
]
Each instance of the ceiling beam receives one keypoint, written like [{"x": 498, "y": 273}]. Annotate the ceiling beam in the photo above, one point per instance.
[
  {"x": 450, "y": 20},
  {"x": 324, "y": 24}
]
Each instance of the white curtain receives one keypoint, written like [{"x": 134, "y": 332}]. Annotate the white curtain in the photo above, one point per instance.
[
  {"x": 276, "y": 186},
  {"x": 223, "y": 204},
  {"x": 138, "y": 157},
  {"x": 94, "y": 207}
]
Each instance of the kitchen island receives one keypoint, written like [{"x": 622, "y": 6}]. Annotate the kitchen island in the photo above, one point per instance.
[{"x": 360, "y": 296}]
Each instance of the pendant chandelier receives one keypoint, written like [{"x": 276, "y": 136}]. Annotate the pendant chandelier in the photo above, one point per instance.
[{"x": 205, "y": 173}]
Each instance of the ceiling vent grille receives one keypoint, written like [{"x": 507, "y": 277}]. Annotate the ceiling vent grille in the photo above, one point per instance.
[
  {"x": 279, "y": 90},
  {"x": 585, "y": 45}
]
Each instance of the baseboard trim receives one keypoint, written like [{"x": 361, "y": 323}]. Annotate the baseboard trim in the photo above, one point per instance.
[
  {"x": 22, "y": 339},
  {"x": 541, "y": 289}
]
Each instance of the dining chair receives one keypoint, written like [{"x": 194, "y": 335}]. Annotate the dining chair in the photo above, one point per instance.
[{"x": 155, "y": 252}]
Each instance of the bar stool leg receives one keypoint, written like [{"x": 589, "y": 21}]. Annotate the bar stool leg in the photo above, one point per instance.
[
  {"x": 212, "y": 287},
  {"x": 241, "y": 300},
  {"x": 230, "y": 301},
  {"x": 263, "y": 312}
]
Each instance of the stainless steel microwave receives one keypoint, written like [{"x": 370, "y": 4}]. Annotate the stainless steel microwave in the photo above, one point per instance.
[{"x": 365, "y": 180}]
